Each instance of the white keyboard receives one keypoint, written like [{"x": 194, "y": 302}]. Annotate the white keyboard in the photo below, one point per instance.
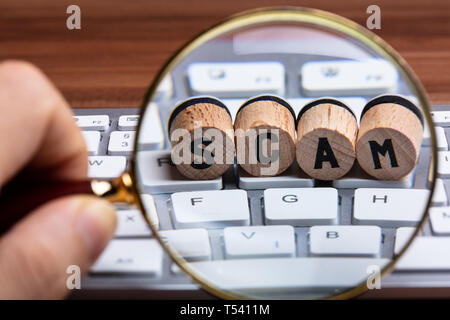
[{"x": 248, "y": 222}]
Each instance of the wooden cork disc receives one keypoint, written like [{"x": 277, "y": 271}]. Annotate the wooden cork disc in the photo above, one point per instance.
[
  {"x": 202, "y": 138},
  {"x": 265, "y": 135},
  {"x": 389, "y": 138},
  {"x": 326, "y": 136}
]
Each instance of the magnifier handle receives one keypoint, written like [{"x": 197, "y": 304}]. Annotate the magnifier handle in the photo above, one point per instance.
[{"x": 16, "y": 202}]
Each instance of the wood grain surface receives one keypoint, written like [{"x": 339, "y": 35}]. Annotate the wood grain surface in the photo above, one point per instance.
[{"x": 111, "y": 61}]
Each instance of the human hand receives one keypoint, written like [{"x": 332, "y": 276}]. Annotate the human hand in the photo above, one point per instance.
[{"x": 41, "y": 142}]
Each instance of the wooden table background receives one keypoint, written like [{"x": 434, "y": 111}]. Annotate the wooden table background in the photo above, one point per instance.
[{"x": 111, "y": 61}]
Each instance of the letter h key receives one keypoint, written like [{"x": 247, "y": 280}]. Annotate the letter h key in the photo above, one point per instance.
[{"x": 389, "y": 207}]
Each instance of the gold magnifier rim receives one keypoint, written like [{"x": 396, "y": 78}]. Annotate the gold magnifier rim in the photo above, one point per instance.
[{"x": 295, "y": 15}]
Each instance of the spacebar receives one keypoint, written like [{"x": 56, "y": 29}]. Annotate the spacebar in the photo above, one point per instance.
[{"x": 287, "y": 273}]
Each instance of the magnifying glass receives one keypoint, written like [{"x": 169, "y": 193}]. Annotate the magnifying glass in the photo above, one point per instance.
[
  {"x": 290, "y": 234},
  {"x": 354, "y": 161}
]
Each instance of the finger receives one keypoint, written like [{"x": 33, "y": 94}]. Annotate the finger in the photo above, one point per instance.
[
  {"x": 36, "y": 126},
  {"x": 36, "y": 253}
]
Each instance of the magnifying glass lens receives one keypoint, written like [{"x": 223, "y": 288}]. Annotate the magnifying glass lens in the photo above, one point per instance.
[{"x": 269, "y": 166}]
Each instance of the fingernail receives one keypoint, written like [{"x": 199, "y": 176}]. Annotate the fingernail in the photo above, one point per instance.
[{"x": 96, "y": 223}]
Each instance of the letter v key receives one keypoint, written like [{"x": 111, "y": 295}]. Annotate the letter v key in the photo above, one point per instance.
[{"x": 248, "y": 236}]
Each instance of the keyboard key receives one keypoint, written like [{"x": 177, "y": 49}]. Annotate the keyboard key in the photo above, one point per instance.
[
  {"x": 444, "y": 164},
  {"x": 128, "y": 122},
  {"x": 287, "y": 273},
  {"x": 358, "y": 178},
  {"x": 301, "y": 206},
  {"x": 106, "y": 167},
  {"x": 259, "y": 242},
  {"x": 210, "y": 209},
  {"x": 130, "y": 223},
  {"x": 151, "y": 136},
  {"x": 176, "y": 270},
  {"x": 293, "y": 177},
  {"x": 92, "y": 139},
  {"x": 130, "y": 256},
  {"x": 150, "y": 210},
  {"x": 99, "y": 123},
  {"x": 344, "y": 77},
  {"x": 236, "y": 79},
  {"x": 440, "y": 220},
  {"x": 389, "y": 207},
  {"x": 441, "y": 139},
  {"x": 191, "y": 244},
  {"x": 345, "y": 240},
  {"x": 159, "y": 175},
  {"x": 121, "y": 143},
  {"x": 439, "y": 195},
  {"x": 441, "y": 118},
  {"x": 426, "y": 253},
  {"x": 402, "y": 236}
]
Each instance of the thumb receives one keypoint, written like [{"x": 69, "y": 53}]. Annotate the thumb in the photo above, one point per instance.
[{"x": 35, "y": 254}]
